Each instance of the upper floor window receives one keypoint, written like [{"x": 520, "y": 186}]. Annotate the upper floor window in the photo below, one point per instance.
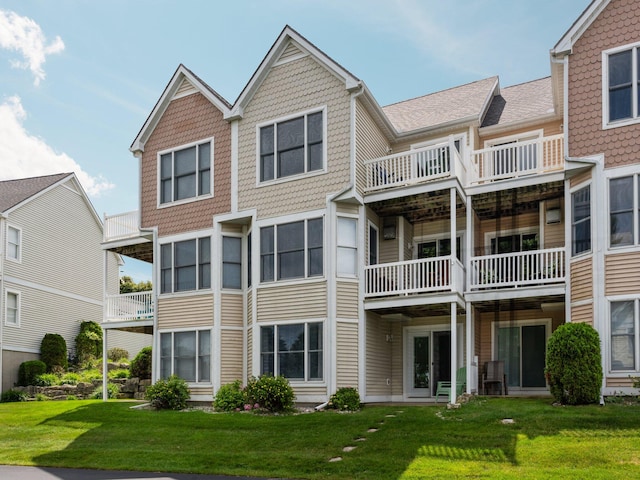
[
  {"x": 291, "y": 250},
  {"x": 231, "y": 262},
  {"x": 347, "y": 258},
  {"x": 438, "y": 248},
  {"x": 621, "y": 80},
  {"x": 581, "y": 220},
  {"x": 623, "y": 211},
  {"x": 185, "y": 173},
  {"x": 12, "y": 309},
  {"x": 291, "y": 147},
  {"x": 14, "y": 244},
  {"x": 185, "y": 265}
]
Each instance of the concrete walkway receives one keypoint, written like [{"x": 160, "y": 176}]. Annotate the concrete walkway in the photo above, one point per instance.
[{"x": 46, "y": 473}]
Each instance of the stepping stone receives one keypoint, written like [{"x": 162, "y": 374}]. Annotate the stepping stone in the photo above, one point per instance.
[
  {"x": 349, "y": 449},
  {"x": 335, "y": 459},
  {"x": 400, "y": 411},
  {"x": 390, "y": 416},
  {"x": 371, "y": 430},
  {"x": 361, "y": 439}
]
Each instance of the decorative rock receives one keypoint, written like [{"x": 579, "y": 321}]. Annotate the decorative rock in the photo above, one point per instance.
[
  {"x": 507, "y": 421},
  {"x": 335, "y": 459},
  {"x": 390, "y": 416},
  {"x": 349, "y": 449},
  {"x": 361, "y": 439},
  {"x": 371, "y": 430}
]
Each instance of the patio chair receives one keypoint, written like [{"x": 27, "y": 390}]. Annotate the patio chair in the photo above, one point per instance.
[
  {"x": 494, "y": 375},
  {"x": 444, "y": 387}
]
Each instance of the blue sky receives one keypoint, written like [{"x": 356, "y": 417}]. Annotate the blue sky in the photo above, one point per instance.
[{"x": 78, "y": 78}]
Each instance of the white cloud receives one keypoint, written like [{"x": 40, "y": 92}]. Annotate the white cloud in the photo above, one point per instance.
[
  {"x": 24, "y": 155},
  {"x": 25, "y": 36}
]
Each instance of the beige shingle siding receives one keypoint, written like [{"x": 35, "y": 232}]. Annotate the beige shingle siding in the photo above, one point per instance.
[
  {"x": 292, "y": 302},
  {"x": 347, "y": 354},
  {"x": 231, "y": 306},
  {"x": 370, "y": 144},
  {"x": 60, "y": 244},
  {"x": 582, "y": 279},
  {"x": 347, "y": 299},
  {"x": 186, "y": 120},
  {"x": 615, "y": 26},
  {"x": 622, "y": 273},
  {"x": 231, "y": 353},
  {"x": 289, "y": 89},
  {"x": 378, "y": 355},
  {"x": 189, "y": 311}
]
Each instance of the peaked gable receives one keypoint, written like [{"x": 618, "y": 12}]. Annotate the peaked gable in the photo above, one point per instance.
[
  {"x": 15, "y": 192},
  {"x": 565, "y": 44}
]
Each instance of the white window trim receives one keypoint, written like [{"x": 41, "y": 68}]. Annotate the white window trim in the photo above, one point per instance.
[
  {"x": 9, "y": 258},
  {"x": 355, "y": 218},
  {"x": 181, "y": 238},
  {"x": 634, "y": 87},
  {"x": 569, "y": 209},
  {"x": 290, "y": 178},
  {"x": 612, "y": 174},
  {"x": 306, "y": 322},
  {"x": 179, "y": 330},
  {"x": 18, "y": 295},
  {"x": 371, "y": 225},
  {"x": 607, "y": 335},
  {"x": 190, "y": 199}
]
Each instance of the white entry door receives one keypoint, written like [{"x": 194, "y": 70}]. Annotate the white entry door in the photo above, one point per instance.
[{"x": 417, "y": 363}]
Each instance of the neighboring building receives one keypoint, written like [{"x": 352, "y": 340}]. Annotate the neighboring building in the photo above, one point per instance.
[
  {"x": 340, "y": 243},
  {"x": 51, "y": 266}
]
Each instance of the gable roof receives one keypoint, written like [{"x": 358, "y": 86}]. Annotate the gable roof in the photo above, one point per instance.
[
  {"x": 520, "y": 103},
  {"x": 565, "y": 44},
  {"x": 15, "y": 192},
  {"x": 182, "y": 82},
  {"x": 463, "y": 103},
  {"x": 289, "y": 45}
]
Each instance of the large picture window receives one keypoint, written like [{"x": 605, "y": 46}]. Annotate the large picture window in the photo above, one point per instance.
[
  {"x": 186, "y": 173},
  {"x": 185, "y": 265},
  {"x": 581, "y": 221},
  {"x": 624, "y": 211},
  {"x": 291, "y": 147},
  {"x": 291, "y": 250},
  {"x": 621, "y": 84},
  {"x": 186, "y": 354},
  {"x": 294, "y": 351}
]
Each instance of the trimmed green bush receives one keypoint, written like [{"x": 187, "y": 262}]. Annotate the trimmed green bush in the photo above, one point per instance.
[
  {"x": 229, "y": 397},
  {"x": 273, "y": 394},
  {"x": 88, "y": 342},
  {"x": 141, "y": 365},
  {"x": 345, "y": 399},
  {"x": 53, "y": 352},
  {"x": 28, "y": 371},
  {"x": 171, "y": 394},
  {"x": 13, "y": 396},
  {"x": 114, "y": 354},
  {"x": 574, "y": 364}
]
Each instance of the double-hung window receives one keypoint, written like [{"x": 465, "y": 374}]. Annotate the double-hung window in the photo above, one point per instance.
[
  {"x": 624, "y": 335},
  {"x": 347, "y": 258},
  {"x": 581, "y": 221},
  {"x": 231, "y": 262},
  {"x": 291, "y": 147},
  {"x": 294, "y": 351},
  {"x": 12, "y": 309},
  {"x": 186, "y": 173},
  {"x": 292, "y": 250},
  {"x": 621, "y": 80},
  {"x": 185, "y": 265},
  {"x": 14, "y": 244},
  {"x": 624, "y": 211},
  {"x": 186, "y": 354}
]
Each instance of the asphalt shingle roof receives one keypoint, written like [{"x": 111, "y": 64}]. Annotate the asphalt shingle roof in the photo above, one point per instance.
[
  {"x": 521, "y": 102},
  {"x": 13, "y": 192}
]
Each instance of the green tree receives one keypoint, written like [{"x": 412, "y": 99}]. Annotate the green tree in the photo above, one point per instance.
[{"x": 127, "y": 285}]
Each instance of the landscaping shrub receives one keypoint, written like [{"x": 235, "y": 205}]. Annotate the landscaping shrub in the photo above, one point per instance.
[
  {"x": 88, "y": 341},
  {"x": 141, "y": 365},
  {"x": 70, "y": 378},
  {"x": 171, "y": 394},
  {"x": 28, "y": 371},
  {"x": 119, "y": 373},
  {"x": 89, "y": 376},
  {"x": 112, "y": 392},
  {"x": 345, "y": 399},
  {"x": 273, "y": 394},
  {"x": 46, "y": 380},
  {"x": 574, "y": 366},
  {"x": 114, "y": 354},
  {"x": 13, "y": 396},
  {"x": 53, "y": 352},
  {"x": 230, "y": 397}
]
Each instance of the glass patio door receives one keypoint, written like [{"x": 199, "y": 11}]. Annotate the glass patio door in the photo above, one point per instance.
[
  {"x": 419, "y": 360},
  {"x": 523, "y": 350}
]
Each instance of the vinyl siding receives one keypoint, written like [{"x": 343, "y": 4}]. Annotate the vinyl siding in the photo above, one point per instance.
[
  {"x": 11, "y": 364},
  {"x": 554, "y": 233},
  {"x": 378, "y": 356},
  {"x": 250, "y": 307},
  {"x": 249, "y": 353},
  {"x": 318, "y": 390},
  {"x": 548, "y": 129},
  {"x": 370, "y": 144},
  {"x": 582, "y": 279},
  {"x": 582, "y": 313},
  {"x": 580, "y": 178},
  {"x": 201, "y": 391},
  {"x": 132, "y": 342},
  {"x": 347, "y": 354},
  {"x": 231, "y": 353},
  {"x": 290, "y": 89},
  {"x": 622, "y": 273},
  {"x": 185, "y": 312},
  {"x": 292, "y": 302},
  {"x": 347, "y": 299},
  {"x": 231, "y": 306}
]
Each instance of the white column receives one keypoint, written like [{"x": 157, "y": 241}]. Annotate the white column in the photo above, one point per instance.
[
  {"x": 105, "y": 366},
  {"x": 454, "y": 353}
]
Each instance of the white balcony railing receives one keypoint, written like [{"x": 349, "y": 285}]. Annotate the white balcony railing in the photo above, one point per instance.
[
  {"x": 513, "y": 160},
  {"x": 413, "y": 276},
  {"x": 121, "y": 226},
  {"x": 129, "y": 306},
  {"x": 414, "y": 166},
  {"x": 520, "y": 269}
]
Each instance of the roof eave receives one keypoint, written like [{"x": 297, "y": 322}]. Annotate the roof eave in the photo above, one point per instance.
[
  {"x": 565, "y": 44},
  {"x": 509, "y": 126}
]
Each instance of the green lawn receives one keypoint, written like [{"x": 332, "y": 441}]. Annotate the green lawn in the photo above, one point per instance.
[{"x": 411, "y": 442}]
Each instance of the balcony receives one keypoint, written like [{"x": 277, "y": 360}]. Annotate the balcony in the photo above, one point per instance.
[
  {"x": 425, "y": 275},
  {"x": 129, "y": 307},
  {"x": 417, "y": 166},
  {"x": 121, "y": 226},
  {"x": 519, "y": 269},
  {"x": 517, "y": 159}
]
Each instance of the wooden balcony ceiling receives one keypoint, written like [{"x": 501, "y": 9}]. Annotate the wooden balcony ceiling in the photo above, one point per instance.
[
  {"x": 516, "y": 304},
  {"x": 140, "y": 251},
  {"x": 429, "y": 206},
  {"x": 418, "y": 311},
  {"x": 506, "y": 203}
]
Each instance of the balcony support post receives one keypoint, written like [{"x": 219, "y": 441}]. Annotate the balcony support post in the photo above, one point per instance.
[
  {"x": 454, "y": 354},
  {"x": 454, "y": 254}
]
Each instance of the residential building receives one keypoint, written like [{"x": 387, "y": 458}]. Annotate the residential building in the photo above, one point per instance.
[
  {"x": 384, "y": 248},
  {"x": 51, "y": 266}
]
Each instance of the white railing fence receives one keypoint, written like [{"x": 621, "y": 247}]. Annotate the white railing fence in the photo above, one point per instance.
[
  {"x": 121, "y": 225},
  {"x": 412, "y": 276},
  {"x": 129, "y": 306}
]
